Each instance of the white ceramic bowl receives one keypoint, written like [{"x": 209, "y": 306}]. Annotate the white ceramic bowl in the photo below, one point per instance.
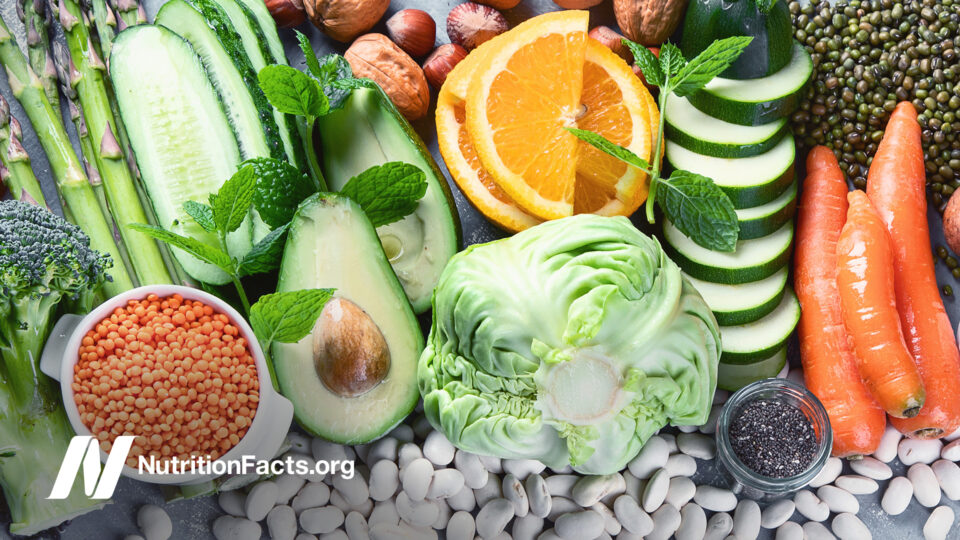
[{"x": 274, "y": 412}]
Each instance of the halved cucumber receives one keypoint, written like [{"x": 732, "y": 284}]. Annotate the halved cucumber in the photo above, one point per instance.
[
  {"x": 704, "y": 134},
  {"x": 744, "y": 303},
  {"x": 748, "y": 343},
  {"x": 733, "y": 377},
  {"x": 753, "y": 260},
  {"x": 757, "y": 101},
  {"x": 762, "y": 220},
  {"x": 750, "y": 181}
]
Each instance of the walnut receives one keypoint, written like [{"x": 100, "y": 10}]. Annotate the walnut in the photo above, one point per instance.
[
  {"x": 344, "y": 20},
  {"x": 375, "y": 57},
  {"x": 648, "y": 22}
]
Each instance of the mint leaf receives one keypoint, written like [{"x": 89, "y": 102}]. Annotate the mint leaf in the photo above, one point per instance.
[
  {"x": 671, "y": 60},
  {"x": 287, "y": 317},
  {"x": 333, "y": 68},
  {"x": 202, "y": 214},
  {"x": 192, "y": 246},
  {"x": 280, "y": 188},
  {"x": 649, "y": 65},
  {"x": 615, "y": 150},
  {"x": 387, "y": 192},
  {"x": 764, "y": 5},
  {"x": 231, "y": 204},
  {"x": 700, "y": 209},
  {"x": 293, "y": 92},
  {"x": 351, "y": 83},
  {"x": 266, "y": 254},
  {"x": 313, "y": 66},
  {"x": 711, "y": 62}
]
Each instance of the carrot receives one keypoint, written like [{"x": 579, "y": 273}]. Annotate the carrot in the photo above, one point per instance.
[
  {"x": 829, "y": 363},
  {"x": 896, "y": 186},
  {"x": 869, "y": 306}
]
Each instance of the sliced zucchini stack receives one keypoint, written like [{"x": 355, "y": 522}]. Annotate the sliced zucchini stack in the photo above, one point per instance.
[{"x": 735, "y": 132}]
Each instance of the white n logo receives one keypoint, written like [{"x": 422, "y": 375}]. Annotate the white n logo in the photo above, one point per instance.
[{"x": 86, "y": 450}]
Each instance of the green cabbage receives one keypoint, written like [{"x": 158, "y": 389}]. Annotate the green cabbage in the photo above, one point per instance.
[{"x": 572, "y": 342}]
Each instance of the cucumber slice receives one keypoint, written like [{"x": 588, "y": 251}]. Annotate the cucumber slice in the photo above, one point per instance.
[
  {"x": 184, "y": 146},
  {"x": 753, "y": 260},
  {"x": 758, "y": 101},
  {"x": 704, "y": 134},
  {"x": 733, "y": 377},
  {"x": 748, "y": 343},
  {"x": 750, "y": 181},
  {"x": 269, "y": 29},
  {"x": 762, "y": 220},
  {"x": 744, "y": 303}
]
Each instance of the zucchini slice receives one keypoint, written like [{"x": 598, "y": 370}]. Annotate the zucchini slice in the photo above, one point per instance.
[
  {"x": 749, "y": 343},
  {"x": 753, "y": 260},
  {"x": 733, "y": 377},
  {"x": 750, "y": 181},
  {"x": 762, "y": 220},
  {"x": 744, "y": 303},
  {"x": 695, "y": 130}
]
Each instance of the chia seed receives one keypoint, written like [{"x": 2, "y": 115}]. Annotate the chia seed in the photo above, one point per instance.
[{"x": 773, "y": 438}]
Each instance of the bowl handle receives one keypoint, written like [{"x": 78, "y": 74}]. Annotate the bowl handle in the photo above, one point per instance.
[
  {"x": 54, "y": 352},
  {"x": 280, "y": 412}
]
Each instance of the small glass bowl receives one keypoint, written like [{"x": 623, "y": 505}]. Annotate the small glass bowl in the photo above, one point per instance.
[{"x": 745, "y": 481}]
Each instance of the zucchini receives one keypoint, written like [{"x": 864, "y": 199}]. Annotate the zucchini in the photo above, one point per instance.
[
  {"x": 752, "y": 342},
  {"x": 753, "y": 260},
  {"x": 772, "y": 33},
  {"x": 733, "y": 377},
  {"x": 758, "y": 101},
  {"x": 744, "y": 303},
  {"x": 695, "y": 130},
  {"x": 749, "y": 182},
  {"x": 762, "y": 220},
  {"x": 179, "y": 133}
]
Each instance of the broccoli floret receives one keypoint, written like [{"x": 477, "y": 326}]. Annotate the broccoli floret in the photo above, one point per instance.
[{"x": 43, "y": 260}]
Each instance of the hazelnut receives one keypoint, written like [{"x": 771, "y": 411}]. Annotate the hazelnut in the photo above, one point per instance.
[
  {"x": 500, "y": 4},
  {"x": 375, "y": 57},
  {"x": 286, "y": 13},
  {"x": 576, "y": 4},
  {"x": 612, "y": 40},
  {"x": 470, "y": 24},
  {"x": 413, "y": 30},
  {"x": 350, "y": 354},
  {"x": 344, "y": 20},
  {"x": 439, "y": 64}
]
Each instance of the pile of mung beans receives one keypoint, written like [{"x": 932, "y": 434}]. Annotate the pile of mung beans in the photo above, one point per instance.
[{"x": 868, "y": 56}]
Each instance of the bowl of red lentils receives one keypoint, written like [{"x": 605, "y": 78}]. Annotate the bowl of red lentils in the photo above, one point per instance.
[{"x": 178, "y": 370}]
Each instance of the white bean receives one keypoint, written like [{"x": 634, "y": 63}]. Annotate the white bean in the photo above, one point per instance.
[
  {"x": 830, "y": 471},
  {"x": 443, "y": 516},
  {"x": 538, "y": 495},
  {"x": 522, "y": 468},
  {"x": 652, "y": 456},
  {"x": 681, "y": 465},
  {"x": 388, "y": 531},
  {"x": 693, "y": 523},
  {"x": 631, "y": 516},
  {"x": 312, "y": 495},
  {"x": 420, "y": 533},
  {"x": 384, "y": 480},
  {"x": 334, "y": 535},
  {"x": 415, "y": 478},
  {"x": 469, "y": 465},
  {"x": 526, "y": 527},
  {"x": 656, "y": 491},
  {"x": 948, "y": 476},
  {"x": 354, "y": 490},
  {"x": 513, "y": 491},
  {"x": 790, "y": 530},
  {"x": 938, "y": 524},
  {"x": 231, "y": 502},
  {"x": 848, "y": 526},
  {"x": 299, "y": 443},
  {"x": 463, "y": 500},
  {"x": 309, "y": 464},
  {"x": 926, "y": 489},
  {"x": 666, "y": 521},
  {"x": 813, "y": 530},
  {"x": 490, "y": 490},
  {"x": 321, "y": 520},
  {"x": 154, "y": 522},
  {"x": 288, "y": 485},
  {"x": 871, "y": 468},
  {"x": 407, "y": 453},
  {"x": 385, "y": 448},
  {"x": 493, "y": 517},
  {"x": 402, "y": 433},
  {"x": 889, "y": 442},
  {"x": 235, "y": 528},
  {"x": 715, "y": 499},
  {"x": 561, "y": 484},
  {"x": 912, "y": 451},
  {"x": 610, "y": 524},
  {"x": 336, "y": 499},
  {"x": 953, "y": 436},
  {"x": 634, "y": 486},
  {"x": 697, "y": 445},
  {"x": 671, "y": 441},
  {"x": 579, "y": 525},
  {"x": 323, "y": 450},
  {"x": 746, "y": 520},
  {"x": 856, "y": 484},
  {"x": 362, "y": 451},
  {"x": 687, "y": 429},
  {"x": 550, "y": 534},
  {"x": 384, "y": 512},
  {"x": 951, "y": 451},
  {"x": 810, "y": 506},
  {"x": 356, "y": 526},
  {"x": 777, "y": 513},
  {"x": 560, "y": 506},
  {"x": 492, "y": 464},
  {"x": 897, "y": 496},
  {"x": 681, "y": 490},
  {"x": 445, "y": 483},
  {"x": 461, "y": 526},
  {"x": 282, "y": 523},
  {"x": 437, "y": 449},
  {"x": 838, "y": 500},
  {"x": 718, "y": 526},
  {"x": 417, "y": 513},
  {"x": 710, "y": 427},
  {"x": 590, "y": 489}
]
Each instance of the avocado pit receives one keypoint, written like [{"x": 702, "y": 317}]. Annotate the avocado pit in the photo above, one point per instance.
[{"x": 350, "y": 353}]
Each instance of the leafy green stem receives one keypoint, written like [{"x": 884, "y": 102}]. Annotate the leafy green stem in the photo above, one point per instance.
[
  {"x": 657, "y": 158},
  {"x": 315, "y": 173},
  {"x": 240, "y": 292}
]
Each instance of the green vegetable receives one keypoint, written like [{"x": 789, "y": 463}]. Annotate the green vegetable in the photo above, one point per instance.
[
  {"x": 571, "y": 342},
  {"x": 743, "y": 303},
  {"x": 36, "y": 22},
  {"x": 388, "y": 192},
  {"x": 699, "y": 132},
  {"x": 733, "y": 377},
  {"x": 757, "y": 340},
  {"x": 43, "y": 259},
  {"x": 765, "y": 219},
  {"x": 19, "y": 177}
]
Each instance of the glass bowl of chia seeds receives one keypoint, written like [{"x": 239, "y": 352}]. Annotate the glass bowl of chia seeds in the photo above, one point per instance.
[{"x": 773, "y": 437}]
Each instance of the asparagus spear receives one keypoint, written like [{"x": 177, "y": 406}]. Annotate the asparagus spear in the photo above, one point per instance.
[
  {"x": 105, "y": 22},
  {"x": 36, "y": 20},
  {"x": 71, "y": 180},
  {"x": 15, "y": 163},
  {"x": 130, "y": 13},
  {"x": 91, "y": 88}
]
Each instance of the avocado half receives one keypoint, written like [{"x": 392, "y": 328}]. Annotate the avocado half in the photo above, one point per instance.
[{"x": 354, "y": 378}]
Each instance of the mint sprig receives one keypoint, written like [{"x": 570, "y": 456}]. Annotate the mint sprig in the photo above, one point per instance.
[{"x": 388, "y": 192}]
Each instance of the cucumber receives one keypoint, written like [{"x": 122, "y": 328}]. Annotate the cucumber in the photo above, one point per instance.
[
  {"x": 695, "y": 130},
  {"x": 753, "y": 260},
  {"x": 762, "y": 220},
  {"x": 772, "y": 33},
  {"x": 733, "y": 377},
  {"x": 750, "y": 181},
  {"x": 181, "y": 137},
  {"x": 744, "y": 303},
  {"x": 758, "y": 101},
  {"x": 268, "y": 28},
  {"x": 749, "y": 343}
]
